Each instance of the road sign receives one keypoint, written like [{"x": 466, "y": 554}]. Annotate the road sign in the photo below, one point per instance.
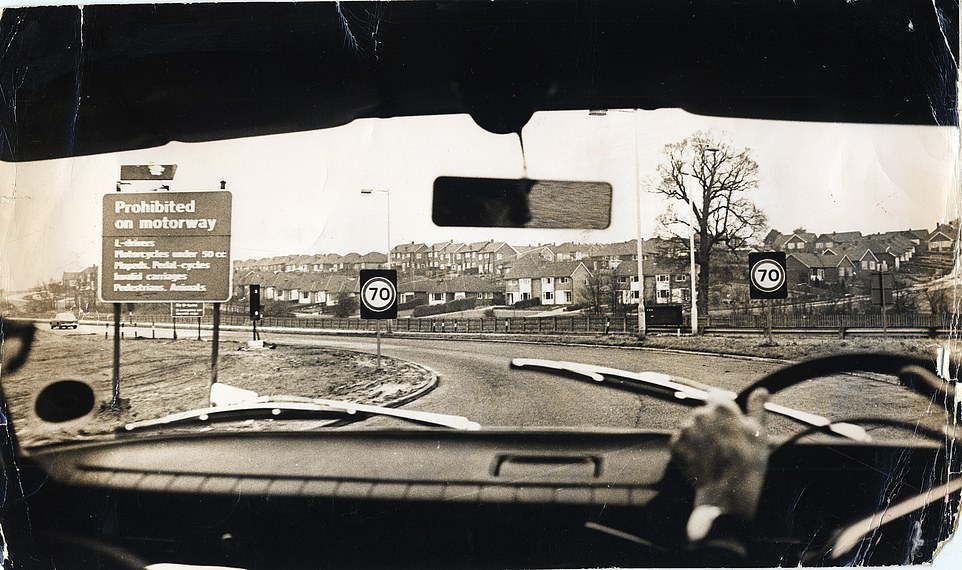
[
  {"x": 664, "y": 315},
  {"x": 147, "y": 171},
  {"x": 161, "y": 247},
  {"x": 378, "y": 293},
  {"x": 186, "y": 309},
  {"x": 882, "y": 288},
  {"x": 766, "y": 278}
]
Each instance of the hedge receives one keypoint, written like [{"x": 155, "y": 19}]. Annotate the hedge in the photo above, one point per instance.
[
  {"x": 525, "y": 303},
  {"x": 449, "y": 307}
]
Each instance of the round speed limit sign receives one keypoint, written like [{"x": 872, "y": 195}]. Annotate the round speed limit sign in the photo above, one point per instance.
[
  {"x": 768, "y": 275},
  {"x": 379, "y": 294}
]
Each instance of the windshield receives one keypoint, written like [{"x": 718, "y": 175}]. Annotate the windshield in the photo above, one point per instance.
[
  {"x": 479, "y": 284},
  {"x": 309, "y": 211}
]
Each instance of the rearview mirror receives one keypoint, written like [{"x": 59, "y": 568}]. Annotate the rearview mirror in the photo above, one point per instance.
[{"x": 521, "y": 203}]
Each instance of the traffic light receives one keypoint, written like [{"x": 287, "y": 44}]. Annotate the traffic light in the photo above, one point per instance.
[{"x": 254, "y": 296}]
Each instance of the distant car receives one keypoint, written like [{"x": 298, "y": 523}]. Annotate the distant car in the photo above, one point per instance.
[{"x": 63, "y": 321}]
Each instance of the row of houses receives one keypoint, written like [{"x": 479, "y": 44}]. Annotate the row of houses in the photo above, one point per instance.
[
  {"x": 478, "y": 258},
  {"x": 313, "y": 289},
  {"x": 939, "y": 239},
  {"x": 565, "y": 274},
  {"x": 841, "y": 257},
  {"x": 316, "y": 263},
  {"x": 885, "y": 251},
  {"x": 552, "y": 283}
]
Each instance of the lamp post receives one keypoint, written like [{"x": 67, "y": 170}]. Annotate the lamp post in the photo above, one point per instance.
[
  {"x": 691, "y": 248},
  {"x": 642, "y": 329},
  {"x": 387, "y": 194}
]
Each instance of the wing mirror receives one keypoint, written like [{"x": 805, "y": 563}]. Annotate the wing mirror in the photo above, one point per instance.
[
  {"x": 64, "y": 400},
  {"x": 16, "y": 338}
]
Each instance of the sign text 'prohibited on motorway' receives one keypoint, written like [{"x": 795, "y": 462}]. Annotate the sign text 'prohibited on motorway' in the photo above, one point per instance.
[
  {"x": 378, "y": 293},
  {"x": 767, "y": 279}
]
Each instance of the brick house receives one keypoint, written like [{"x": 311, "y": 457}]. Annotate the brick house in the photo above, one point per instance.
[
  {"x": 819, "y": 269},
  {"x": 438, "y": 290},
  {"x": 941, "y": 238},
  {"x": 554, "y": 283}
]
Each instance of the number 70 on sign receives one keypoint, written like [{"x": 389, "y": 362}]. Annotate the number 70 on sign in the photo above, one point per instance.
[
  {"x": 767, "y": 278},
  {"x": 378, "y": 294}
]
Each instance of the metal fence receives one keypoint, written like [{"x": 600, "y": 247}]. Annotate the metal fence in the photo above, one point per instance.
[
  {"x": 586, "y": 324},
  {"x": 869, "y": 320}
]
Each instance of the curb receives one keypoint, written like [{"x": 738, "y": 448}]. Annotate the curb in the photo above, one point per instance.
[{"x": 423, "y": 391}]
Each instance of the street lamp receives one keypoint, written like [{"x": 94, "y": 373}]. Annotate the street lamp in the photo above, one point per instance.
[
  {"x": 642, "y": 330},
  {"x": 691, "y": 247},
  {"x": 387, "y": 195}
]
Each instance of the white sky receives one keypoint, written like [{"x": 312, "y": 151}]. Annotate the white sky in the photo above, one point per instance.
[{"x": 300, "y": 193}]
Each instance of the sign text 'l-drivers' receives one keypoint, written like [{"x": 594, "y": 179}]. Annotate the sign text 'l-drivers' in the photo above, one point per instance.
[{"x": 171, "y": 249}]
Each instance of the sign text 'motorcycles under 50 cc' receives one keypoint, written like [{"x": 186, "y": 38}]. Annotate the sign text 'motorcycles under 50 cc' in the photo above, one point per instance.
[{"x": 165, "y": 247}]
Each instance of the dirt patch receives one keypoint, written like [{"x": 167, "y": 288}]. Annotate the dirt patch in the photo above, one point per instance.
[
  {"x": 794, "y": 347},
  {"x": 160, "y": 377}
]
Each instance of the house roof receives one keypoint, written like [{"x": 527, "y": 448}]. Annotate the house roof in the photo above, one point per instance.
[
  {"x": 917, "y": 234},
  {"x": 524, "y": 250},
  {"x": 807, "y": 237},
  {"x": 373, "y": 257},
  {"x": 573, "y": 248},
  {"x": 408, "y": 247},
  {"x": 460, "y": 284},
  {"x": 840, "y": 237},
  {"x": 860, "y": 252},
  {"x": 895, "y": 242},
  {"x": 815, "y": 260},
  {"x": 465, "y": 284},
  {"x": 942, "y": 229},
  {"x": 651, "y": 268},
  {"x": 623, "y": 248},
  {"x": 544, "y": 269},
  {"x": 475, "y": 245}
]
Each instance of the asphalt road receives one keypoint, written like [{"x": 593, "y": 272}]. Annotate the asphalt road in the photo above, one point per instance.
[{"x": 476, "y": 381}]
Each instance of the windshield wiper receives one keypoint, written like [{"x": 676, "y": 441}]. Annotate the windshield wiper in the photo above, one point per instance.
[
  {"x": 685, "y": 389},
  {"x": 294, "y": 407}
]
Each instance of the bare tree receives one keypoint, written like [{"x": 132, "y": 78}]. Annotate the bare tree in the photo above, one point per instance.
[
  {"x": 601, "y": 292},
  {"x": 708, "y": 180}
]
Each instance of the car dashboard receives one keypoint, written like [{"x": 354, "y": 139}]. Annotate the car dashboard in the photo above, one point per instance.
[{"x": 444, "y": 499}]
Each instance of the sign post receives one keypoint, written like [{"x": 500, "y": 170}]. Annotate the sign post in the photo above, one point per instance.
[
  {"x": 882, "y": 285},
  {"x": 186, "y": 309},
  {"x": 767, "y": 280},
  {"x": 378, "y": 298},
  {"x": 165, "y": 248}
]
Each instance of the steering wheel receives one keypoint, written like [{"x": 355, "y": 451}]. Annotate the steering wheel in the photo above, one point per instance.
[{"x": 913, "y": 372}]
